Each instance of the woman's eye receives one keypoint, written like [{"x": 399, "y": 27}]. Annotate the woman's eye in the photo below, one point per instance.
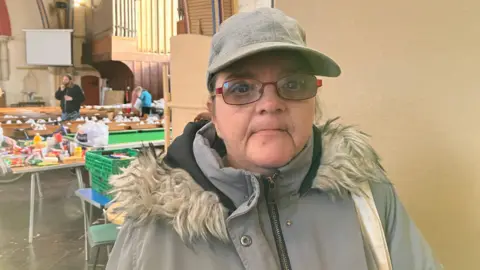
[
  {"x": 292, "y": 85},
  {"x": 239, "y": 88}
]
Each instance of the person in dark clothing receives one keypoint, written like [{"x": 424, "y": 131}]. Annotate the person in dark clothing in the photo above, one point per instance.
[{"x": 71, "y": 96}]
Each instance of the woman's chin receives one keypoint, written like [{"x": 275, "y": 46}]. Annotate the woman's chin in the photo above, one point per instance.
[{"x": 272, "y": 156}]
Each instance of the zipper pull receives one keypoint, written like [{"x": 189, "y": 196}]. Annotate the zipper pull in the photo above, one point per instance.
[{"x": 269, "y": 183}]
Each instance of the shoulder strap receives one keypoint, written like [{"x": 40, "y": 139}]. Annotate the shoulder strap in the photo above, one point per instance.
[{"x": 371, "y": 226}]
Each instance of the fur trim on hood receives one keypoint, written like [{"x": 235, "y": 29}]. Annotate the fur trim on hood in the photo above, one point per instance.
[{"x": 151, "y": 189}]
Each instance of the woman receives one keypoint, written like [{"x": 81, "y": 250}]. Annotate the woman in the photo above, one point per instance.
[
  {"x": 144, "y": 97},
  {"x": 260, "y": 186}
]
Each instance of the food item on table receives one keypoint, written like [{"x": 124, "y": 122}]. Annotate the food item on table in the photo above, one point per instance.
[
  {"x": 58, "y": 137},
  {"x": 9, "y": 122},
  {"x": 34, "y": 162},
  {"x": 26, "y": 151},
  {"x": 69, "y": 160},
  {"x": 48, "y": 161},
  {"x": 37, "y": 138},
  {"x": 39, "y": 126},
  {"x": 54, "y": 153},
  {"x": 19, "y": 122},
  {"x": 78, "y": 152},
  {"x": 14, "y": 161}
]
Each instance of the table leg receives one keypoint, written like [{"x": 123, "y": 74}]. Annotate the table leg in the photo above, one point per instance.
[
  {"x": 32, "y": 207},
  {"x": 78, "y": 172},
  {"x": 85, "y": 226},
  {"x": 90, "y": 213},
  {"x": 39, "y": 187}
]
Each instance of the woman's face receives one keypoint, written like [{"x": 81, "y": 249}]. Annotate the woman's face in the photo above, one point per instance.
[{"x": 268, "y": 133}]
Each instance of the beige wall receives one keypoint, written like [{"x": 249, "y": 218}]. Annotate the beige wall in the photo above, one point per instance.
[
  {"x": 248, "y": 5},
  {"x": 410, "y": 79},
  {"x": 24, "y": 15}
]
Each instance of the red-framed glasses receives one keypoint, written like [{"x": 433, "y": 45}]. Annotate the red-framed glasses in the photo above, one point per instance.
[{"x": 291, "y": 87}]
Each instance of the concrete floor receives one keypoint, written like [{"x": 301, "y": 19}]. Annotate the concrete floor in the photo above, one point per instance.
[{"x": 58, "y": 242}]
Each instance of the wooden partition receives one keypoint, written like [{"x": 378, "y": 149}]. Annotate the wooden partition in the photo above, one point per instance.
[{"x": 188, "y": 68}]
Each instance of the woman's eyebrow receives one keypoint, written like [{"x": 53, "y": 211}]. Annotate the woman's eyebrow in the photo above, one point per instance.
[{"x": 241, "y": 72}]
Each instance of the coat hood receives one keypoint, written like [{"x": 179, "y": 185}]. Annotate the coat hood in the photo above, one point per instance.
[{"x": 172, "y": 187}]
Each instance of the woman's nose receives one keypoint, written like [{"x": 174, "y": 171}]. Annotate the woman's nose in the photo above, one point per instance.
[{"x": 270, "y": 102}]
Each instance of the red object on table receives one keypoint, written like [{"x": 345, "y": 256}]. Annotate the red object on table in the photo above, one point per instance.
[{"x": 58, "y": 137}]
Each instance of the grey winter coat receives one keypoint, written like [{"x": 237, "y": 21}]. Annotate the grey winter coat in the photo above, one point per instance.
[{"x": 236, "y": 220}]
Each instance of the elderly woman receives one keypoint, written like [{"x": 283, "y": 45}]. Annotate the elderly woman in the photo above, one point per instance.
[{"x": 260, "y": 186}]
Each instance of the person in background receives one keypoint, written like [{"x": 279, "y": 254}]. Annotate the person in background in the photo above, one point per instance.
[
  {"x": 71, "y": 96},
  {"x": 135, "y": 95},
  {"x": 145, "y": 97}
]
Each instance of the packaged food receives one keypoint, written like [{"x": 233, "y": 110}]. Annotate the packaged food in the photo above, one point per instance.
[{"x": 37, "y": 139}]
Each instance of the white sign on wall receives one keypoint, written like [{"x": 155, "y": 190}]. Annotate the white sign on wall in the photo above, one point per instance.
[
  {"x": 249, "y": 5},
  {"x": 48, "y": 47}
]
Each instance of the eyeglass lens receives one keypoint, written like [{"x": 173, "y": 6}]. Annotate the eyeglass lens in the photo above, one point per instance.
[{"x": 292, "y": 87}]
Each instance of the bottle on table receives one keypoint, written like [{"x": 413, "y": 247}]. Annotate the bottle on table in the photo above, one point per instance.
[
  {"x": 37, "y": 139},
  {"x": 78, "y": 152}
]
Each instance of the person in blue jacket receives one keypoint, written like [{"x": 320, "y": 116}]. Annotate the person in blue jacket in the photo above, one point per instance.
[{"x": 146, "y": 99}]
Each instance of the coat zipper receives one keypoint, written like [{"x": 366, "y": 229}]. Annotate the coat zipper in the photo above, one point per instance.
[
  {"x": 269, "y": 183},
  {"x": 64, "y": 100}
]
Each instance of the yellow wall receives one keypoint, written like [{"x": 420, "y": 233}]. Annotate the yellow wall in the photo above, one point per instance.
[{"x": 410, "y": 79}]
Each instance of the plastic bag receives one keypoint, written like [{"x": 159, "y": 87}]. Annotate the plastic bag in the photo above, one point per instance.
[
  {"x": 92, "y": 134},
  {"x": 1, "y": 136},
  {"x": 138, "y": 105}
]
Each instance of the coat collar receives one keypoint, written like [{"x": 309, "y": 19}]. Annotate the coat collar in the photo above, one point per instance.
[
  {"x": 149, "y": 188},
  {"x": 237, "y": 184}
]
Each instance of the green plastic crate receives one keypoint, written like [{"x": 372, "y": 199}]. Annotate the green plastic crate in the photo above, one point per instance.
[
  {"x": 101, "y": 185},
  {"x": 101, "y": 167},
  {"x": 99, "y": 162}
]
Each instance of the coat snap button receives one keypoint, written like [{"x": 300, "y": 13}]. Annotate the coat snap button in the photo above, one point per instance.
[{"x": 245, "y": 240}]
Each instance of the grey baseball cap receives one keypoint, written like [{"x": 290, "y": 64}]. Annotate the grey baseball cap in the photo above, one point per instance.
[{"x": 264, "y": 29}]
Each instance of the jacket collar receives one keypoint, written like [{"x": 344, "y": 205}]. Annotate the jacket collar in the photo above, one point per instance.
[
  {"x": 156, "y": 188},
  {"x": 238, "y": 184}
]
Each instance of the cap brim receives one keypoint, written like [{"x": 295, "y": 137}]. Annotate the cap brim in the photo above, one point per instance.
[{"x": 321, "y": 64}]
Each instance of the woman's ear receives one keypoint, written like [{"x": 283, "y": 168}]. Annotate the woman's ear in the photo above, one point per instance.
[
  {"x": 211, "y": 112},
  {"x": 210, "y": 106}
]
